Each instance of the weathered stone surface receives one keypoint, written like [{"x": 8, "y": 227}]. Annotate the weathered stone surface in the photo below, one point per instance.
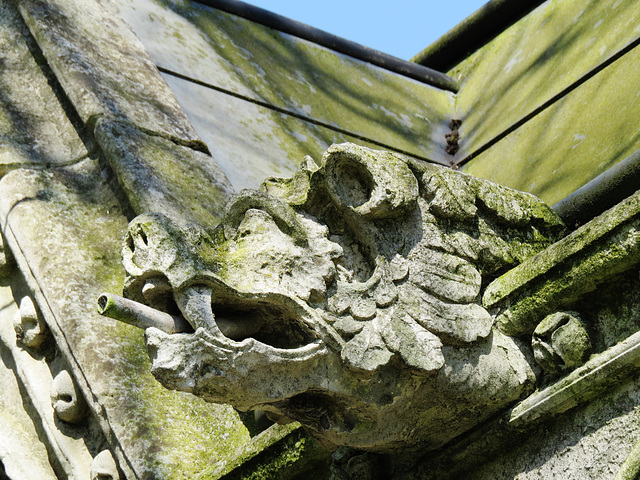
[
  {"x": 103, "y": 67},
  {"x": 584, "y": 422},
  {"x": 282, "y": 451},
  {"x": 591, "y": 442},
  {"x": 66, "y": 228},
  {"x": 34, "y": 128},
  {"x": 568, "y": 269},
  {"x": 260, "y": 64},
  {"x": 158, "y": 175},
  {"x": 251, "y": 142},
  {"x": 104, "y": 467},
  {"x": 21, "y": 452},
  {"x": 574, "y": 140},
  {"x": 364, "y": 276},
  {"x": 606, "y": 369},
  {"x": 534, "y": 60},
  {"x": 31, "y": 329},
  {"x": 560, "y": 342},
  {"x": 7, "y": 262},
  {"x": 66, "y": 399},
  {"x": 66, "y": 444}
]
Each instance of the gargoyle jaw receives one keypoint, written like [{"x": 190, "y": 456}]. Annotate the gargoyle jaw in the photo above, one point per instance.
[
  {"x": 248, "y": 375},
  {"x": 234, "y": 319},
  {"x": 277, "y": 321},
  {"x": 274, "y": 319},
  {"x": 250, "y": 349}
]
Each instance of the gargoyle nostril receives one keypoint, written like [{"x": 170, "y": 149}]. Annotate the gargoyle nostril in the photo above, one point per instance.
[
  {"x": 130, "y": 245},
  {"x": 143, "y": 236}
]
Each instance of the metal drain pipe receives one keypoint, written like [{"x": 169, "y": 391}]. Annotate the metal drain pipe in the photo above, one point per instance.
[
  {"x": 297, "y": 29},
  {"x": 603, "y": 192}
]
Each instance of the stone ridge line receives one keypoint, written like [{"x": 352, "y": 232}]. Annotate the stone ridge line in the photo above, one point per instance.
[
  {"x": 299, "y": 116},
  {"x": 554, "y": 99},
  {"x": 605, "y": 369},
  {"x": 560, "y": 251}
]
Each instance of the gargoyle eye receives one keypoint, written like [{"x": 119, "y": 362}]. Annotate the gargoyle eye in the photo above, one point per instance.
[
  {"x": 151, "y": 244},
  {"x": 351, "y": 182},
  {"x": 283, "y": 215}
]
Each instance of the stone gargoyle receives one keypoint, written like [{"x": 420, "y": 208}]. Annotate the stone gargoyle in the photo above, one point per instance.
[{"x": 346, "y": 298}]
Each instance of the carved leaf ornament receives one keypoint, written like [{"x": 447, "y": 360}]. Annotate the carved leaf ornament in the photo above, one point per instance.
[{"x": 422, "y": 295}]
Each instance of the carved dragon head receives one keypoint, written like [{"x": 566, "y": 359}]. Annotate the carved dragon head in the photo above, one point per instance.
[{"x": 346, "y": 298}]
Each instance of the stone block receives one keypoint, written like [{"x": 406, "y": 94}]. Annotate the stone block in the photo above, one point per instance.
[
  {"x": 570, "y": 268},
  {"x": 159, "y": 176},
  {"x": 103, "y": 68},
  {"x": 34, "y": 127},
  {"x": 251, "y": 142}
]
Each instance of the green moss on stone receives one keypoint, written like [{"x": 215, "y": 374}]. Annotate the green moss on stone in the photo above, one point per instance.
[
  {"x": 535, "y": 59},
  {"x": 279, "y": 453},
  {"x": 579, "y": 136}
]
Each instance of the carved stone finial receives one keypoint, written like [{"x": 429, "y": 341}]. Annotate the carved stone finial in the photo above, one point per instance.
[
  {"x": 560, "y": 342},
  {"x": 362, "y": 278},
  {"x": 68, "y": 404},
  {"x": 31, "y": 329}
]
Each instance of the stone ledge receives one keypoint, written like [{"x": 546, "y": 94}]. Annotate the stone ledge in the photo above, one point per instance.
[
  {"x": 575, "y": 265},
  {"x": 104, "y": 69},
  {"x": 69, "y": 451},
  {"x": 281, "y": 451},
  {"x": 65, "y": 228},
  {"x": 159, "y": 176},
  {"x": 601, "y": 395},
  {"x": 34, "y": 128},
  {"x": 593, "y": 378}
]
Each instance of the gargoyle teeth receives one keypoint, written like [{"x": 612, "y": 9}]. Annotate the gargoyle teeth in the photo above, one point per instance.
[
  {"x": 196, "y": 304},
  {"x": 155, "y": 287},
  {"x": 232, "y": 317}
]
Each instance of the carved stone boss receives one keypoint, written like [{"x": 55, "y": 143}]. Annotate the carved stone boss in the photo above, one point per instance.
[{"x": 347, "y": 298}]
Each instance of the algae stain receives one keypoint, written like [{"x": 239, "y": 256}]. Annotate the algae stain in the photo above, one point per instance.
[{"x": 578, "y": 138}]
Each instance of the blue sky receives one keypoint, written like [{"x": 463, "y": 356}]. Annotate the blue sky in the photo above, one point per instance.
[{"x": 398, "y": 27}]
